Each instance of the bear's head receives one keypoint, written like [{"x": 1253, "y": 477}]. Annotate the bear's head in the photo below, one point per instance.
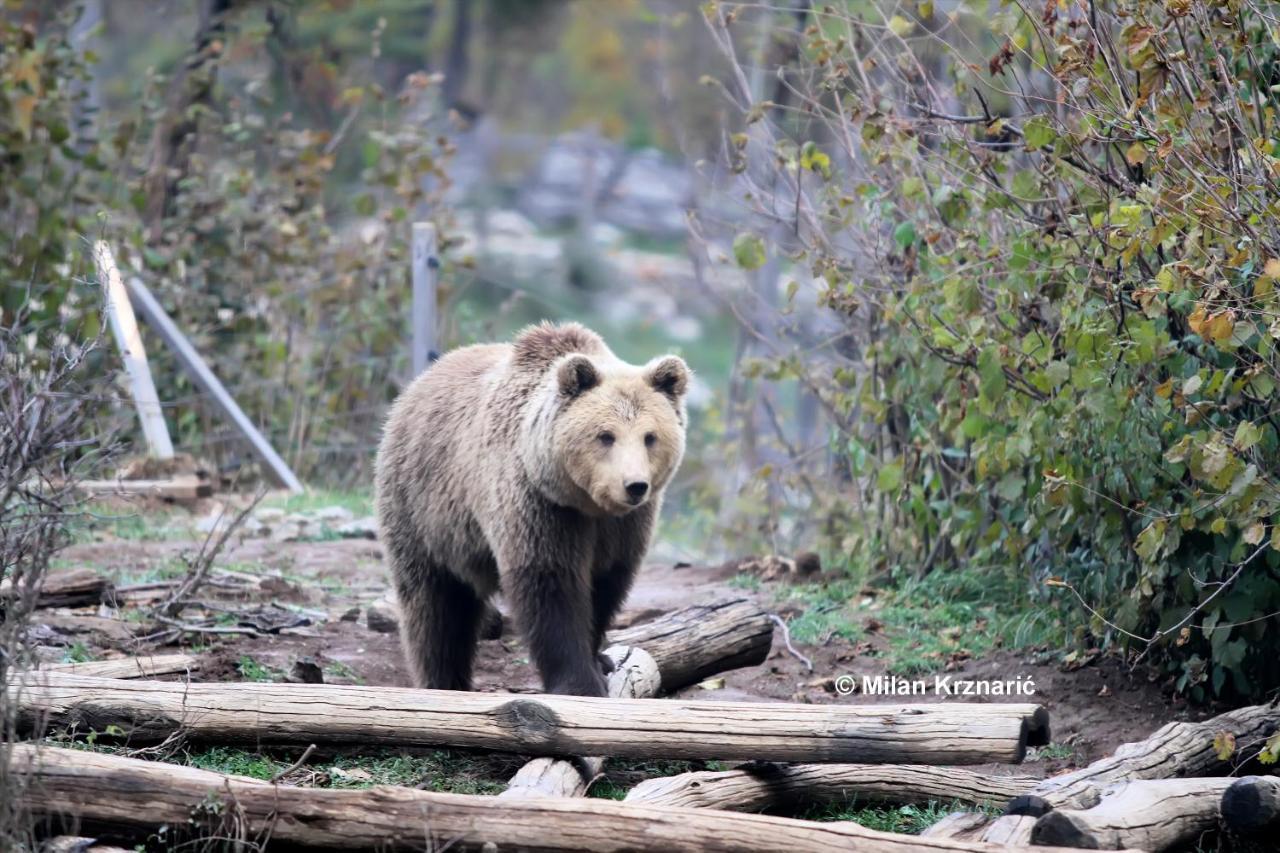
[{"x": 615, "y": 434}]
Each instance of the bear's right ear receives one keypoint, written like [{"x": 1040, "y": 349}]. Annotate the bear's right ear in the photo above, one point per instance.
[{"x": 577, "y": 375}]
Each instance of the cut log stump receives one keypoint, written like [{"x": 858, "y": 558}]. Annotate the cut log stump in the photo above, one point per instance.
[
  {"x": 1252, "y": 804},
  {"x": 114, "y": 797},
  {"x": 768, "y": 787},
  {"x": 541, "y": 725},
  {"x": 1155, "y": 815}
]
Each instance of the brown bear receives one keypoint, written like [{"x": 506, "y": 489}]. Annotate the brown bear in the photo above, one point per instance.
[{"x": 538, "y": 467}]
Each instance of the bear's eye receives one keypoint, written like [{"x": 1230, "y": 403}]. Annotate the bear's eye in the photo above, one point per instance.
[
  {"x": 606, "y": 438},
  {"x": 650, "y": 439}
]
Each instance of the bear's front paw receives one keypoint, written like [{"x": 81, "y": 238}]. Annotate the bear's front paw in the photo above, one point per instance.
[{"x": 587, "y": 683}]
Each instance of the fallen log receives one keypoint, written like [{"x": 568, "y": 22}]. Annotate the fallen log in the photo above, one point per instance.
[
  {"x": 1176, "y": 750},
  {"x": 1252, "y": 804},
  {"x": 542, "y": 725},
  {"x": 73, "y": 588},
  {"x": 763, "y": 786},
  {"x": 134, "y": 797},
  {"x": 1154, "y": 815},
  {"x": 634, "y": 676},
  {"x": 696, "y": 642},
  {"x": 959, "y": 826},
  {"x": 137, "y": 667}
]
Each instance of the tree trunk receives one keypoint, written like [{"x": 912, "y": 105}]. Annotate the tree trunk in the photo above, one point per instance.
[
  {"x": 117, "y": 797},
  {"x": 542, "y": 724},
  {"x": 1151, "y": 815},
  {"x": 764, "y": 787}
]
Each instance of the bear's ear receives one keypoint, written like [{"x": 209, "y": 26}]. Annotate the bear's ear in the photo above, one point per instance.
[
  {"x": 577, "y": 375},
  {"x": 669, "y": 375}
]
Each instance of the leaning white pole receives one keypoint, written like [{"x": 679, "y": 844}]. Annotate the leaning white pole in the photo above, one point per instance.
[
  {"x": 423, "y": 313},
  {"x": 206, "y": 381},
  {"x": 124, "y": 326}
]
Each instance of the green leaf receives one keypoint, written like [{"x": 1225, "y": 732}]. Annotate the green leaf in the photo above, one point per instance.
[
  {"x": 905, "y": 234},
  {"x": 749, "y": 251},
  {"x": 813, "y": 159},
  {"x": 1038, "y": 133},
  {"x": 889, "y": 478}
]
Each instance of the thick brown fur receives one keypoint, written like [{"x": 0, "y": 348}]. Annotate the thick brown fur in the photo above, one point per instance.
[{"x": 537, "y": 467}]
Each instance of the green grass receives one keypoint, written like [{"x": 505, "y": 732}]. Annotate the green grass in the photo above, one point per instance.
[
  {"x": 925, "y": 621},
  {"x": 158, "y": 526},
  {"x": 252, "y": 670},
  {"x": 908, "y": 820},
  {"x": 1056, "y": 751},
  {"x": 359, "y": 502},
  {"x": 77, "y": 652},
  {"x": 338, "y": 669}
]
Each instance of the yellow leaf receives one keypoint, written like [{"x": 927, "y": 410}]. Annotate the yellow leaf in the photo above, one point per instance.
[
  {"x": 1254, "y": 532},
  {"x": 900, "y": 26},
  {"x": 1220, "y": 326},
  {"x": 1196, "y": 320},
  {"x": 1136, "y": 154},
  {"x": 1164, "y": 389},
  {"x": 1224, "y": 743},
  {"x": 712, "y": 684},
  {"x": 24, "y": 108}
]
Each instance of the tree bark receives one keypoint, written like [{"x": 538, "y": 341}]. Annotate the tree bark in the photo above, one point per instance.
[
  {"x": 764, "y": 787},
  {"x": 959, "y": 826},
  {"x": 1151, "y": 815},
  {"x": 111, "y": 796},
  {"x": 541, "y": 725},
  {"x": 1252, "y": 804}
]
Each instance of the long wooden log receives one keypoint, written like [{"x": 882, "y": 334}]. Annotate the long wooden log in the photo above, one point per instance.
[
  {"x": 635, "y": 676},
  {"x": 764, "y": 786},
  {"x": 1176, "y": 750},
  {"x": 115, "y": 797},
  {"x": 541, "y": 725},
  {"x": 144, "y": 666},
  {"x": 696, "y": 642},
  {"x": 1252, "y": 804},
  {"x": 72, "y": 588},
  {"x": 1151, "y": 815}
]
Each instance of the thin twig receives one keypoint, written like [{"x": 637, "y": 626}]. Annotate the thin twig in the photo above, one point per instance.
[
  {"x": 302, "y": 759},
  {"x": 786, "y": 638}
]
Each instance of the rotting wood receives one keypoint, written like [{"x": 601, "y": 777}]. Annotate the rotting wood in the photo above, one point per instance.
[
  {"x": 135, "y": 796},
  {"x": 72, "y": 588},
  {"x": 541, "y": 725},
  {"x": 1252, "y": 804},
  {"x": 1153, "y": 814},
  {"x": 763, "y": 786}
]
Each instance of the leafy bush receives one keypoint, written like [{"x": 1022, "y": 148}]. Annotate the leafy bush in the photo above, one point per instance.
[{"x": 1054, "y": 234}]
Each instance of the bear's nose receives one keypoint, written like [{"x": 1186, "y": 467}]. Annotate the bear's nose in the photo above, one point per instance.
[{"x": 636, "y": 490}]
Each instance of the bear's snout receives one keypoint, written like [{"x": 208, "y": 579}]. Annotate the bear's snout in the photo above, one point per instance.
[{"x": 636, "y": 490}]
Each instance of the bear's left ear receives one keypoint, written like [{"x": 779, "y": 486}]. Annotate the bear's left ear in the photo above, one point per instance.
[
  {"x": 577, "y": 375},
  {"x": 669, "y": 375}
]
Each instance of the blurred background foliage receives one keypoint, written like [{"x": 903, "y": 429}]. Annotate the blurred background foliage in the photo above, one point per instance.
[{"x": 974, "y": 292}]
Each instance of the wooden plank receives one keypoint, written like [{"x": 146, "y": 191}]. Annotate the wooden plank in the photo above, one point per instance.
[
  {"x": 143, "y": 666},
  {"x": 124, "y": 327},
  {"x": 423, "y": 313},
  {"x": 184, "y": 487},
  {"x": 206, "y": 381},
  {"x": 128, "y": 798},
  {"x": 247, "y": 712}
]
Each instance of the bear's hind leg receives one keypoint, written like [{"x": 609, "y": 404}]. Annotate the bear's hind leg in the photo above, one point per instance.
[{"x": 439, "y": 626}]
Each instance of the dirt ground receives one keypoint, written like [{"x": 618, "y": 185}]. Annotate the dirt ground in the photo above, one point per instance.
[{"x": 1093, "y": 708}]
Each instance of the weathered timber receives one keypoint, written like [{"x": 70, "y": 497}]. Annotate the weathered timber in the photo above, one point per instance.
[
  {"x": 763, "y": 786},
  {"x": 1176, "y": 750},
  {"x": 73, "y": 588},
  {"x": 541, "y": 725},
  {"x": 693, "y": 643},
  {"x": 110, "y": 796},
  {"x": 1252, "y": 804},
  {"x": 1154, "y": 814},
  {"x": 182, "y": 487},
  {"x": 144, "y": 666},
  {"x": 635, "y": 676},
  {"x": 960, "y": 826}
]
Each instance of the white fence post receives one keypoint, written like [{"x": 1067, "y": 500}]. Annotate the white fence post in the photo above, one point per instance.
[{"x": 423, "y": 315}]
